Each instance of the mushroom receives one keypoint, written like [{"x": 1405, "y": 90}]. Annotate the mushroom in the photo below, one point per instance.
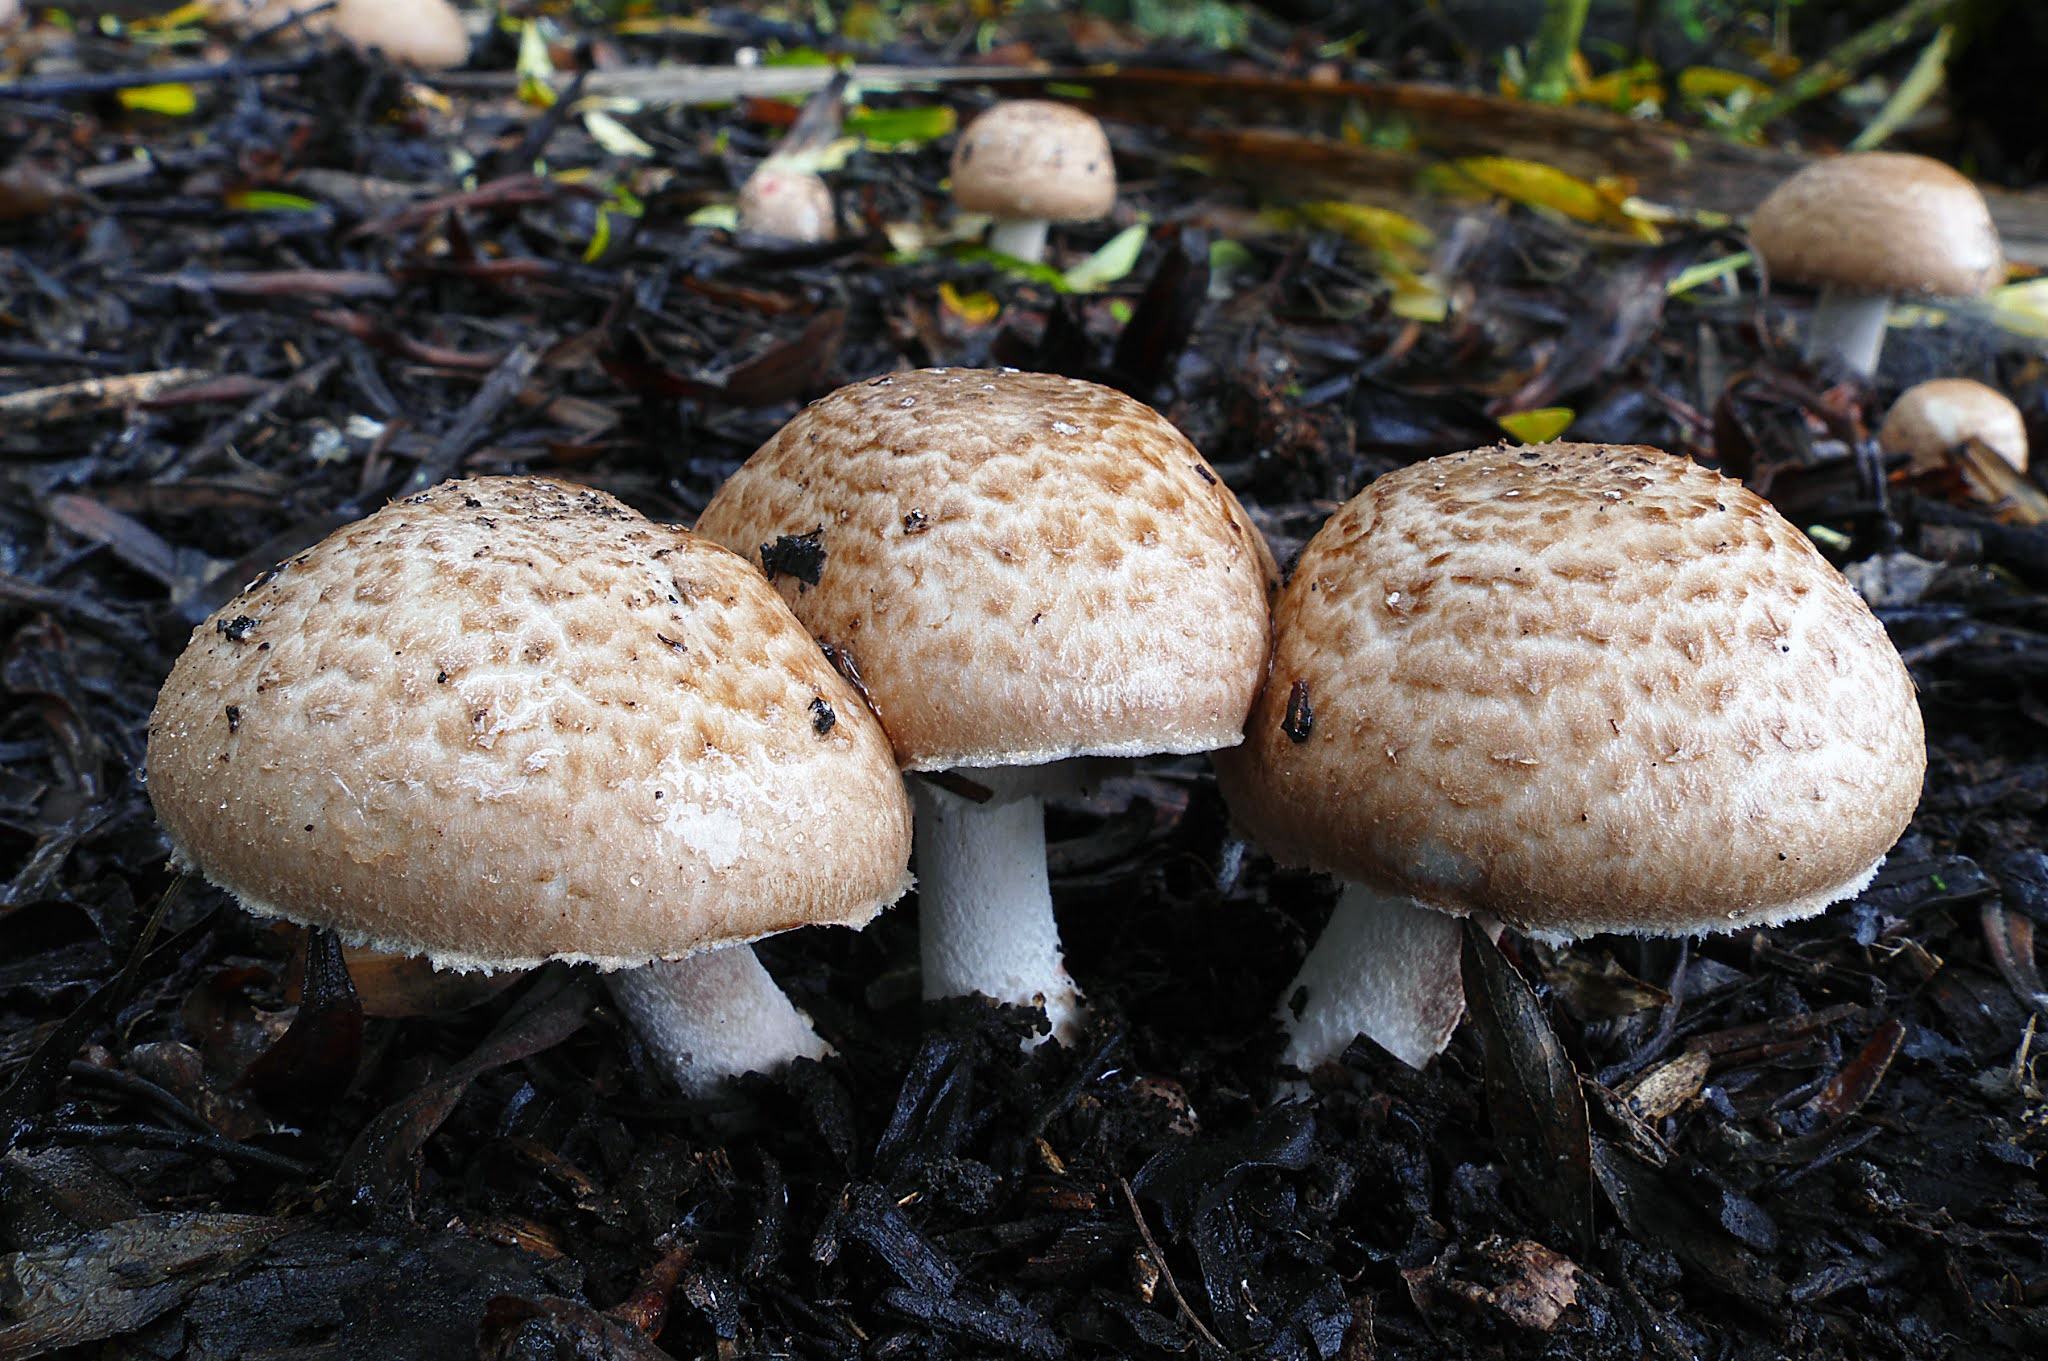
[
  {"x": 1931, "y": 418},
  {"x": 428, "y": 34},
  {"x": 786, "y": 203},
  {"x": 1869, "y": 225},
  {"x": 1029, "y": 163},
  {"x": 1021, "y": 570},
  {"x": 1577, "y": 688},
  {"x": 510, "y": 720}
]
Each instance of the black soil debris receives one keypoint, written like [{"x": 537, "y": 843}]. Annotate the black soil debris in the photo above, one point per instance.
[{"x": 248, "y": 294}]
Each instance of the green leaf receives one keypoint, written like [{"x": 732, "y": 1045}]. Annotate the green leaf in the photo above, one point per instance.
[
  {"x": 1118, "y": 256},
  {"x": 905, "y": 128},
  {"x": 1540, "y": 425},
  {"x": 270, "y": 201},
  {"x": 1706, "y": 272}
]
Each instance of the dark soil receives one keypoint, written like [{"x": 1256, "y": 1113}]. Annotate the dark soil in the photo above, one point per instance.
[{"x": 1821, "y": 1140}]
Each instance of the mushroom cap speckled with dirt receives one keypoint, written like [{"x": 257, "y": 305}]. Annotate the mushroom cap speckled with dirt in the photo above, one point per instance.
[
  {"x": 1584, "y": 688},
  {"x": 1020, "y": 568},
  {"x": 510, "y": 720}
]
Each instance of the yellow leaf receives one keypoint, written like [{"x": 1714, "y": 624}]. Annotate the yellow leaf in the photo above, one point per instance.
[
  {"x": 976, "y": 309},
  {"x": 535, "y": 67},
  {"x": 1381, "y": 230},
  {"x": 1539, "y": 426},
  {"x": 175, "y": 100},
  {"x": 1623, "y": 89},
  {"x": 2022, "y": 308},
  {"x": 1537, "y": 185},
  {"x": 1698, "y": 83},
  {"x": 614, "y": 136}
]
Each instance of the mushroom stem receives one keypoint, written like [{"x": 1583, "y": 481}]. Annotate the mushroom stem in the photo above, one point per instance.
[
  {"x": 1385, "y": 967},
  {"x": 984, "y": 901},
  {"x": 714, "y": 1015},
  {"x": 1849, "y": 328},
  {"x": 1020, "y": 238}
]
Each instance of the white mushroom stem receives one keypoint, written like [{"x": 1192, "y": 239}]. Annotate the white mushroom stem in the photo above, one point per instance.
[
  {"x": 1021, "y": 238},
  {"x": 1848, "y": 327},
  {"x": 984, "y": 901},
  {"x": 1385, "y": 967},
  {"x": 714, "y": 1015}
]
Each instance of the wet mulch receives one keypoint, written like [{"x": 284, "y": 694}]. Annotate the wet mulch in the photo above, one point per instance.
[{"x": 1820, "y": 1140}]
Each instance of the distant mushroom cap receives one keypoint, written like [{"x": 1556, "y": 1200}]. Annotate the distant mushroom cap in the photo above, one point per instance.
[
  {"x": 1880, "y": 222},
  {"x": 794, "y": 205},
  {"x": 1930, "y": 418},
  {"x": 508, "y": 720},
  {"x": 1019, "y": 567},
  {"x": 1584, "y": 688},
  {"x": 1034, "y": 158},
  {"x": 425, "y": 33}
]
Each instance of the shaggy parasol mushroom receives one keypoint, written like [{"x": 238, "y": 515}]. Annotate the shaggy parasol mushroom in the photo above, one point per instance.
[
  {"x": 510, "y": 720},
  {"x": 1867, "y": 226},
  {"x": 1933, "y": 417},
  {"x": 427, "y": 34},
  {"x": 1020, "y": 569},
  {"x": 1578, "y": 688},
  {"x": 1029, "y": 163}
]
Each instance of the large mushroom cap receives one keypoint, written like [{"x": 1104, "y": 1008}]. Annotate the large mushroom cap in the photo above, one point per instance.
[
  {"x": 508, "y": 720},
  {"x": 1020, "y": 567},
  {"x": 1585, "y": 688},
  {"x": 1933, "y": 417},
  {"x": 1034, "y": 158},
  {"x": 1880, "y": 222}
]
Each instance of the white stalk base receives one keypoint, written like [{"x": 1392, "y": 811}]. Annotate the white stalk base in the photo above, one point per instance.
[
  {"x": 1021, "y": 239},
  {"x": 713, "y": 1016},
  {"x": 984, "y": 902},
  {"x": 1386, "y": 968},
  {"x": 1848, "y": 327}
]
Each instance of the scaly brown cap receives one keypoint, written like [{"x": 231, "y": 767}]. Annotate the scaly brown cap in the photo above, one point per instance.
[
  {"x": 1584, "y": 688},
  {"x": 509, "y": 720},
  {"x": 1931, "y": 418},
  {"x": 1034, "y": 158},
  {"x": 1020, "y": 567},
  {"x": 1880, "y": 222}
]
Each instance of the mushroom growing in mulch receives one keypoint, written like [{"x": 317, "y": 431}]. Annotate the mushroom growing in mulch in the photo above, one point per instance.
[
  {"x": 1021, "y": 570},
  {"x": 510, "y": 720},
  {"x": 1933, "y": 417},
  {"x": 1029, "y": 163},
  {"x": 1866, "y": 227},
  {"x": 1578, "y": 688}
]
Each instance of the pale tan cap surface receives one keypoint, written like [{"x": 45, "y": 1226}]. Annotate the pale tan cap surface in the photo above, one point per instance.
[
  {"x": 1880, "y": 222},
  {"x": 1034, "y": 158},
  {"x": 795, "y": 205},
  {"x": 510, "y": 719},
  {"x": 1585, "y": 688},
  {"x": 1933, "y": 417},
  {"x": 423, "y": 33},
  {"x": 1021, "y": 567}
]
